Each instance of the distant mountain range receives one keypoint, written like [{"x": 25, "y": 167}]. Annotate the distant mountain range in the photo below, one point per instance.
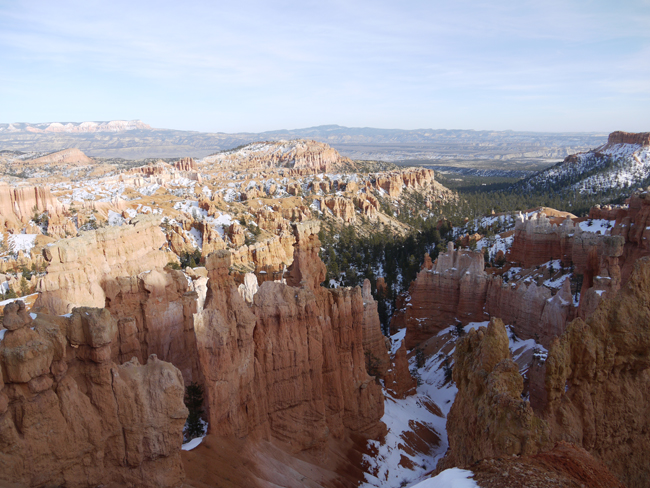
[
  {"x": 135, "y": 139},
  {"x": 75, "y": 127}
]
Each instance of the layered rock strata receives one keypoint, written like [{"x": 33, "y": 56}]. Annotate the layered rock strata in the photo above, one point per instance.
[
  {"x": 70, "y": 416},
  {"x": 489, "y": 402},
  {"x": 596, "y": 382},
  {"x": 291, "y": 367},
  {"x": 81, "y": 268}
]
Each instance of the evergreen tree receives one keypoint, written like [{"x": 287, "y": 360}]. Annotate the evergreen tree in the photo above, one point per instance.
[{"x": 194, "y": 403}]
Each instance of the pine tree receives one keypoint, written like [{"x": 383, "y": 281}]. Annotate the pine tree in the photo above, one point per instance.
[{"x": 194, "y": 403}]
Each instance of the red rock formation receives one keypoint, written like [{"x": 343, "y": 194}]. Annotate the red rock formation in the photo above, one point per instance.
[
  {"x": 564, "y": 465},
  {"x": 81, "y": 266},
  {"x": 71, "y": 417},
  {"x": 540, "y": 239},
  {"x": 620, "y": 137},
  {"x": 211, "y": 240},
  {"x": 398, "y": 380},
  {"x": 598, "y": 385},
  {"x": 18, "y": 205},
  {"x": 596, "y": 390},
  {"x": 454, "y": 289},
  {"x": 341, "y": 207},
  {"x": 393, "y": 183},
  {"x": 291, "y": 369},
  {"x": 489, "y": 417},
  {"x": 302, "y": 156},
  {"x": 374, "y": 342},
  {"x": 390, "y": 183},
  {"x": 368, "y": 205},
  {"x": 154, "y": 313},
  {"x": 185, "y": 164}
]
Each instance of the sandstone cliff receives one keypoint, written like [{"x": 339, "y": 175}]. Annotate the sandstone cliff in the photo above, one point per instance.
[
  {"x": 291, "y": 367},
  {"x": 69, "y": 416},
  {"x": 453, "y": 288},
  {"x": 18, "y": 205},
  {"x": 489, "y": 402},
  {"x": 620, "y": 137},
  {"x": 596, "y": 386},
  {"x": 598, "y": 381},
  {"x": 80, "y": 268}
]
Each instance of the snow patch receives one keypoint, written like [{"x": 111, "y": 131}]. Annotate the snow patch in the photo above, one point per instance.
[
  {"x": 450, "y": 478},
  {"x": 21, "y": 242}
]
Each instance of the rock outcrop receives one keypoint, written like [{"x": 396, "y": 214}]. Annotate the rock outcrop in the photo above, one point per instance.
[
  {"x": 566, "y": 465},
  {"x": 18, "y": 206},
  {"x": 80, "y": 268},
  {"x": 67, "y": 156},
  {"x": 489, "y": 402},
  {"x": 69, "y": 416},
  {"x": 299, "y": 155},
  {"x": 598, "y": 381},
  {"x": 291, "y": 368},
  {"x": 453, "y": 288},
  {"x": 620, "y": 137},
  {"x": 185, "y": 164}
]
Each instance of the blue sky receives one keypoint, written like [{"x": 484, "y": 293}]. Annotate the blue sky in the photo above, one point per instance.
[{"x": 256, "y": 65}]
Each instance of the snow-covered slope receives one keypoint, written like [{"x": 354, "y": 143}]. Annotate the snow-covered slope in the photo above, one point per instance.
[{"x": 615, "y": 166}]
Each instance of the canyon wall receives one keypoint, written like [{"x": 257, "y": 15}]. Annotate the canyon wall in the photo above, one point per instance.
[
  {"x": 70, "y": 416},
  {"x": 81, "y": 269},
  {"x": 291, "y": 366},
  {"x": 285, "y": 362},
  {"x": 596, "y": 381},
  {"x": 18, "y": 206},
  {"x": 457, "y": 286},
  {"x": 620, "y": 137}
]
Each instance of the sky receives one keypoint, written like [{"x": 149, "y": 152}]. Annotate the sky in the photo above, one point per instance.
[{"x": 252, "y": 66}]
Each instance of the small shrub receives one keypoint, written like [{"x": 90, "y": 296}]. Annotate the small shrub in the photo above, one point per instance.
[
  {"x": 448, "y": 370},
  {"x": 459, "y": 329}
]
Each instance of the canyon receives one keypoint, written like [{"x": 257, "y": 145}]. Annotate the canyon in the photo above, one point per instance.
[{"x": 149, "y": 278}]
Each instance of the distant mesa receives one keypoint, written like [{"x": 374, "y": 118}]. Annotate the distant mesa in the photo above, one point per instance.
[
  {"x": 620, "y": 137},
  {"x": 83, "y": 127},
  {"x": 67, "y": 156}
]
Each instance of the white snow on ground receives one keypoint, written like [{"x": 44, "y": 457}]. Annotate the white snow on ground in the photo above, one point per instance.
[
  {"x": 495, "y": 244},
  {"x": 383, "y": 467},
  {"x": 557, "y": 282},
  {"x": 315, "y": 205},
  {"x": 223, "y": 219},
  {"x": 131, "y": 212},
  {"x": 197, "y": 238},
  {"x": 2, "y": 334},
  {"x": 230, "y": 195},
  {"x": 396, "y": 340},
  {"x": 191, "y": 207},
  {"x": 597, "y": 226},
  {"x": 148, "y": 190},
  {"x": 192, "y": 444},
  {"x": 21, "y": 242},
  {"x": 450, "y": 478},
  {"x": 10, "y": 300},
  {"x": 115, "y": 219}
]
